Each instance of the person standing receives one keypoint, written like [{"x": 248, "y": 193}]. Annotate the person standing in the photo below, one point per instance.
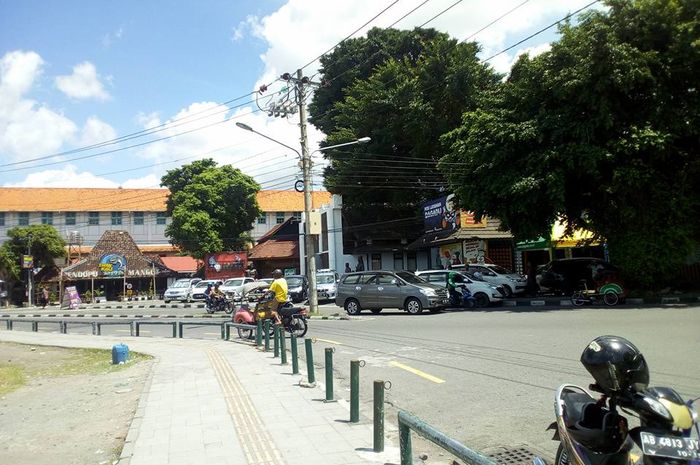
[
  {"x": 279, "y": 288},
  {"x": 347, "y": 268},
  {"x": 44, "y": 297},
  {"x": 360, "y": 264},
  {"x": 531, "y": 287}
]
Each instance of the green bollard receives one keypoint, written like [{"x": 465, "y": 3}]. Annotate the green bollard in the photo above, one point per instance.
[
  {"x": 267, "y": 335},
  {"x": 310, "y": 361},
  {"x": 295, "y": 355},
  {"x": 329, "y": 374},
  {"x": 258, "y": 334},
  {"x": 354, "y": 391},
  {"x": 276, "y": 340},
  {"x": 283, "y": 346},
  {"x": 378, "y": 416}
]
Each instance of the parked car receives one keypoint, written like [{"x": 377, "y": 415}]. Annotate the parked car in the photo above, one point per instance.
[
  {"x": 200, "y": 287},
  {"x": 375, "y": 290},
  {"x": 234, "y": 286},
  {"x": 297, "y": 288},
  {"x": 484, "y": 293},
  {"x": 180, "y": 290},
  {"x": 565, "y": 275},
  {"x": 326, "y": 284},
  {"x": 512, "y": 283}
]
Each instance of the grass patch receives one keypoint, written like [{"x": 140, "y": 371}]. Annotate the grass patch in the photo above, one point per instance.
[
  {"x": 90, "y": 362},
  {"x": 11, "y": 378}
]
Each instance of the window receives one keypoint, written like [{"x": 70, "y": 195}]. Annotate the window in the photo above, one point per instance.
[
  {"x": 296, "y": 215},
  {"x": 262, "y": 219},
  {"x": 352, "y": 279},
  {"x": 23, "y": 218},
  {"x": 46, "y": 217},
  {"x": 160, "y": 217},
  {"x": 94, "y": 218},
  {"x": 70, "y": 218},
  {"x": 138, "y": 218},
  {"x": 385, "y": 279},
  {"x": 2, "y": 218},
  {"x": 116, "y": 218},
  {"x": 376, "y": 261},
  {"x": 280, "y": 217}
]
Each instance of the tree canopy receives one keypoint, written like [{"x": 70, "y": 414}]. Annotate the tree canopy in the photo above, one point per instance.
[
  {"x": 404, "y": 89},
  {"x": 602, "y": 132},
  {"x": 212, "y": 207},
  {"x": 46, "y": 245}
]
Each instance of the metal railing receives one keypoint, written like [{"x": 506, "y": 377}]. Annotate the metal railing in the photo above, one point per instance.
[{"x": 408, "y": 422}]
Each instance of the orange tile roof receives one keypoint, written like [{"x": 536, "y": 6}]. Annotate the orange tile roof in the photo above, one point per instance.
[
  {"x": 64, "y": 199},
  {"x": 274, "y": 249},
  {"x": 182, "y": 264}
]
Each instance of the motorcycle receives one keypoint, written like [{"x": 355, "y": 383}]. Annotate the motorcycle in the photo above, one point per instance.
[
  {"x": 462, "y": 297},
  {"x": 294, "y": 319},
  {"x": 218, "y": 304},
  {"x": 591, "y": 430}
]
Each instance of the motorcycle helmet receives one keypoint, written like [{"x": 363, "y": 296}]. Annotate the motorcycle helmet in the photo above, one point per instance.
[
  {"x": 616, "y": 365},
  {"x": 600, "y": 430}
]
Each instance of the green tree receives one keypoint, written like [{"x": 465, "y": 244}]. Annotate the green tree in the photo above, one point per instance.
[
  {"x": 602, "y": 132},
  {"x": 212, "y": 207},
  {"x": 41, "y": 241},
  {"x": 404, "y": 89}
]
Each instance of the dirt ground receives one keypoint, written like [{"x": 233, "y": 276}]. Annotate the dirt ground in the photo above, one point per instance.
[{"x": 63, "y": 418}]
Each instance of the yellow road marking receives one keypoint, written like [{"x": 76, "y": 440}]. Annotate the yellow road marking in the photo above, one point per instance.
[
  {"x": 415, "y": 371},
  {"x": 329, "y": 341}
]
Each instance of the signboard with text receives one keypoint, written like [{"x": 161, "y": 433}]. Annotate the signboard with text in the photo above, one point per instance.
[
  {"x": 27, "y": 261},
  {"x": 440, "y": 215},
  {"x": 71, "y": 298},
  {"x": 224, "y": 265}
]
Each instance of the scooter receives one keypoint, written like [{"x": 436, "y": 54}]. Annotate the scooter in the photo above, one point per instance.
[
  {"x": 218, "y": 304},
  {"x": 462, "y": 297},
  {"x": 591, "y": 430}
]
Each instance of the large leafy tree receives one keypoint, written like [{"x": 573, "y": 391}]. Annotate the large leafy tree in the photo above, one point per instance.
[
  {"x": 404, "y": 89},
  {"x": 212, "y": 207},
  {"x": 603, "y": 132},
  {"x": 41, "y": 241}
]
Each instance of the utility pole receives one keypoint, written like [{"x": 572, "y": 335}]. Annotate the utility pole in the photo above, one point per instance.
[
  {"x": 30, "y": 273},
  {"x": 308, "y": 201}
]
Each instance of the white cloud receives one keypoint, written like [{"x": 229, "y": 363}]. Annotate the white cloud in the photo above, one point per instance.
[
  {"x": 111, "y": 37},
  {"x": 84, "y": 83},
  {"x": 503, "y": 63},
  {"x": 27, "y": 128},
  {"x": 72, "y": 176},
  {"x": 96, "y": 131}
]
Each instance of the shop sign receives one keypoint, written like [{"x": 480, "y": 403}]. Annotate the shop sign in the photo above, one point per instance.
[
  {"x": 142, "y": 272},
  {"x": 71, "y": 298},
  {"x": 81, "y": 274},
  {"x": 112, "y": 265},
  {"x": 225, "y": 265},
  {"x": 27, "y": 261},
  {"x": 468, "y": 220},
  {"x": 440, "y": 215}
]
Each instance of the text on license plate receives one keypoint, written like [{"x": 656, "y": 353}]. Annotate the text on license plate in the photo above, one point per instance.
[{"x": 669, "y": 446}]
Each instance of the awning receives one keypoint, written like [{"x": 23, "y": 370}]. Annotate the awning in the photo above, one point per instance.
[{"x": 539, "y": 244}]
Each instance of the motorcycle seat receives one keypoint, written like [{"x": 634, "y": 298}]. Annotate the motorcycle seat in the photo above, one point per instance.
[
  {"x": 574, "y": 404},
  {"x": 287, "y": 310}
]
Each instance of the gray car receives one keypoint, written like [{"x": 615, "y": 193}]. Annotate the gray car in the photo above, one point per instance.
[{"x": 375, "y": 290}]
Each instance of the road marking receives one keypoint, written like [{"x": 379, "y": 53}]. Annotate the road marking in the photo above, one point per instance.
[
  {"x": 213, "y": 334},
  {"x": 329, "y": 341},
  {"x": 122, "y": 331},
  {"x": 415, "y": 371}
]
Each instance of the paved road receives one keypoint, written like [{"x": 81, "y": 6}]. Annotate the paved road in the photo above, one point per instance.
[{"x": 488, "y": 378}]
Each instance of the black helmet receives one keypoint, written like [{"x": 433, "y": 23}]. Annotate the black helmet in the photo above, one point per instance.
[
  {"x": 616, "y": 365},
  {"x": 277, "y": 274}
]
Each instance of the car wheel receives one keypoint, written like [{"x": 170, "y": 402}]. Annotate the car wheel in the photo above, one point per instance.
[
  {"x": 376, "y": 311},
  {"x": 481, "y": 300},
  {"x": 413, "y": 306},
  {"x": 352, "y": 306},
  {"x": 508, "y": 290}
]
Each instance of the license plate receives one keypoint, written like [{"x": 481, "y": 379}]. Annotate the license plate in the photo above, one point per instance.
[{"x": 670, "y": 446}]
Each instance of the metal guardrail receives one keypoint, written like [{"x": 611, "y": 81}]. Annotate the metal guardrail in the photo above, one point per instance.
[{"x": 408, "y": 422}]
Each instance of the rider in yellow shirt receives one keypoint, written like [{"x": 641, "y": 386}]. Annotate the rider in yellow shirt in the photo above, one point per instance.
[{"x": 279, "y": 287}]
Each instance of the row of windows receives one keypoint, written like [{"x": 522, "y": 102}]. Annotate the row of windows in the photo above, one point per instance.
[
  {"x": 279, "y": 217},
  {"x": 93, "y": 218}
]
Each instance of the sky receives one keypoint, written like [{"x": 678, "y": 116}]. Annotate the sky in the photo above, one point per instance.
[{"x": 97, "y": 93}]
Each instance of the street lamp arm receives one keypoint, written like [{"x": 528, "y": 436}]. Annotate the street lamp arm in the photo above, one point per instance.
[
  {"x": 362, "y": 140},
  {"x": 248, "y": 128}
]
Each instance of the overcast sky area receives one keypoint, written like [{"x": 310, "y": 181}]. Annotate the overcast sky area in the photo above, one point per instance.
[{"x": 75, "y": 75}]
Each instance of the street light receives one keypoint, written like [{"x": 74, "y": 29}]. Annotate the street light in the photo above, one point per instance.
[{"x": 309, "y": 247}]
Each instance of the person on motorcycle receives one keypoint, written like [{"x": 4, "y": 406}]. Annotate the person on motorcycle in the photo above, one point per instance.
[
  {"x": 279, "y": 288},
  {"x": 216, "y": 296},
  {"x": 454, "y": 279}
]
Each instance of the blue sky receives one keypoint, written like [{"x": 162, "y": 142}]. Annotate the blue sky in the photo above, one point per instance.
[{"x": 76, "y": 73}]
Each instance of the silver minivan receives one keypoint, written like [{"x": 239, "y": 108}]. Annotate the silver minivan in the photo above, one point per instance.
[{"x": 375, "y": 290}]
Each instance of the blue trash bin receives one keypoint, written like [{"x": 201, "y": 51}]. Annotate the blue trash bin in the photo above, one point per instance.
[{"x": 120, "y": 354}]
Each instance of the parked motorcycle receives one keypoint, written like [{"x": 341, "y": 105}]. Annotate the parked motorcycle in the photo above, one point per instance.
[
  {"x": 462, "y": 297},
  {"x": 591, "y": 431},
  {"x": 218, "y": 304},
  {"x": 294, "y": 319}
]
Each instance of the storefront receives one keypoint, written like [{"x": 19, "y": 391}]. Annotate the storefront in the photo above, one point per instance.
[{"x": 116, "y": 269}]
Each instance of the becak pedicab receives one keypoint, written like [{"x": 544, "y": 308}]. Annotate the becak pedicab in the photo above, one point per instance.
[{"x": 256, "y": 305}]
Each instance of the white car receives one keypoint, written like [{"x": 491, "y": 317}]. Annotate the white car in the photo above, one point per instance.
[
  {"x": 235, "y": 285},
  {"x": 326, "y": 284},
  {"x": 180, "y": 290},
  {"x": 513, "y": 283},
  {"x": 484, "y": 293}
]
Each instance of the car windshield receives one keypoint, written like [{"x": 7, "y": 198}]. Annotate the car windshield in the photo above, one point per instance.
[
  {"x": 295, "y": 281},
  {"x": 410, "y": 277},
  {"x": 181, "y": 284},
  {"x": 325, "y": 278},
  {"x": 500, "y": 270},
  {"x": 475, "y": 278},
  {"x": 204, "y": 284},
  {"x": 234, "y": 282}
]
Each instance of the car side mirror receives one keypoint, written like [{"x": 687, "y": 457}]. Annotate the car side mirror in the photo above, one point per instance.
[{"x": 395, "y": 282}]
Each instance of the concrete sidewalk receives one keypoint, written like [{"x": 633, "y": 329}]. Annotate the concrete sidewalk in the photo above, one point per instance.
[{"x": 210, "y": 402}]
